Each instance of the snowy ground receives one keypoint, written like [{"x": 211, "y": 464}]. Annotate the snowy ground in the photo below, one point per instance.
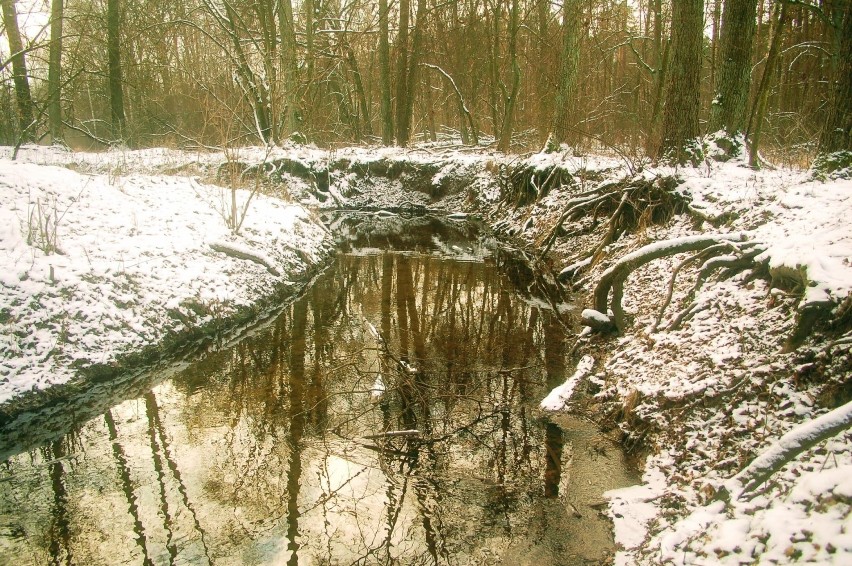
[
  {"x": 699, "y": 402},
  {"x": 705, "y": 399},
  {"x": 103, "y": 262}
]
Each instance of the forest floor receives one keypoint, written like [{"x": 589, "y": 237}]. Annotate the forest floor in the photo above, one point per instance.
[{"x": 102, "y": 254}]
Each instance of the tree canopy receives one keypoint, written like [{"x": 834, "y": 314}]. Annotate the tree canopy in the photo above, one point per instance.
[{"x": 503, "y": 72}]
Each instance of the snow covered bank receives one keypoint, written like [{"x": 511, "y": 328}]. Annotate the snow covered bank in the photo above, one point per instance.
[
  {"x": 705, "y": 396},
  {"x": 701, "y": 381},
  {"x": 94, "y": 266}
]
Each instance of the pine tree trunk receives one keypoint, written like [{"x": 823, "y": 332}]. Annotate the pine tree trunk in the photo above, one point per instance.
[
  {"x": 680, "y": 117},
  {"x": 731, "y": 88},
  {"x": 19, "y": 69}
]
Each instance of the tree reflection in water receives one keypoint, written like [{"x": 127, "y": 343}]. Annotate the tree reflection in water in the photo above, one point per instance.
[{"x": 277, "y": 451}]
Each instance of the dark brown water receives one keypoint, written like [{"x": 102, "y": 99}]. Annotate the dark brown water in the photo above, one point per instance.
[{"x": 388, "y": 416}]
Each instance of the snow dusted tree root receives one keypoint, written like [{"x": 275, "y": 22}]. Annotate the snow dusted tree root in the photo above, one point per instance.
[
  {"x": 627, "y": 205},
  {"x": 739, "y": 256},
  {"x": 725, "y": 254},
  {"x": 612, "y": 280},
  {"x": 803, "y": 437},
  {"x": 527, "y": 183}
]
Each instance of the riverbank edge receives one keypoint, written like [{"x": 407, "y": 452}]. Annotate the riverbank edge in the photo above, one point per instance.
[
  {"x": 176, "y": 346},
  {"x": 507, "y": 192}
]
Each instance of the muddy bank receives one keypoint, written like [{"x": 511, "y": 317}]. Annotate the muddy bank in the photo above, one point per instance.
[{"x": 134, "y": 372}]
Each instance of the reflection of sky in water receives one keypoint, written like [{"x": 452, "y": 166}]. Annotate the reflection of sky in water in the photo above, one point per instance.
[{"x": 262, "y": 449}]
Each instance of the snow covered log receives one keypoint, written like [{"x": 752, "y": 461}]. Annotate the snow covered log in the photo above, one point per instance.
[
  {"x": 803, "y": 437},
  {"x": 561, "y": 394},
  {"x": 614, "y": 277}
]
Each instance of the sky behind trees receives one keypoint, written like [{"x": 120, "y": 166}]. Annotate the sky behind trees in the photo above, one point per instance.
[{"x": 645, "y": 76}]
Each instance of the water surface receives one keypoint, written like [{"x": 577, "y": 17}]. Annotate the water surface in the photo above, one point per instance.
[{"x": 388, "y": 416}]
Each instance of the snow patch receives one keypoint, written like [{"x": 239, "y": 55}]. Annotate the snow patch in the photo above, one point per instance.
[{"x": 560, "y": 395}]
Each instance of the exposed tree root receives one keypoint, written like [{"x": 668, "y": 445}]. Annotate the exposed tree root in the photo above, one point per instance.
[
  {"x": 741, "y": 257},
  {"x": 628, "y": 205},
  {"x": 808, "y": 317},
  {"x": 723, "y": 255},
  {"x": 527, "y": 183},
  {"x": 612, "y": 280},
  {"x": 667, "y": 301},
  {"x": 801, "y": 438}
]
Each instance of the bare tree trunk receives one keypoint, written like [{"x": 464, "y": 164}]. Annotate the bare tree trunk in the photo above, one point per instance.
[
  {"x": 659, "y": 90},
  {"x": 755, "y": 124},
  {"x": 254, "y": 87},
  {"x": 661, "y": 59},
  {"x": 54, "y": 87},
  {"x": 310, "y": 52},
  {"x": 116, "y": 94},
  {"x": 512, "y": 98},
  {"x": 542, "y": 106},
  {"x": 289, "y": 73},
  {"x": 19, "y": 70},
  {"x": 493, "y": 15},
  {"x": 731, "y": 88},
  {"x": 837, "y": 132},
  {"x": 569, "y": 64},
  {"x": 402, "y": 124},
  {"x": 680, "y": 118},
  {"x": 384, "y": 75},
  {"x": 462, "y": 106},
  {"x": 714, "y": 40},
  {"x": 431, "y": 123},
  {"x": 267, "y": 45},
  {"x": 411, "y": 77},
  {"x": 360, "y": 92},
  {"x": 657, "y": 7}
]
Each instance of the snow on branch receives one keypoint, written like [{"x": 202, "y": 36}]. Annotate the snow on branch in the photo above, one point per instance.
[
  {"x": 613, "y": 278},
  {"x": 803, "y": 437},
  {"x": 561, "y": 394},
  {"x": 462, "y": 103},
  {"x": 242, "y": 252}
]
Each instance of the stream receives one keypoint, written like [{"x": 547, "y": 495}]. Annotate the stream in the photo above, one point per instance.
[{"x": 389, "y": 415}]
